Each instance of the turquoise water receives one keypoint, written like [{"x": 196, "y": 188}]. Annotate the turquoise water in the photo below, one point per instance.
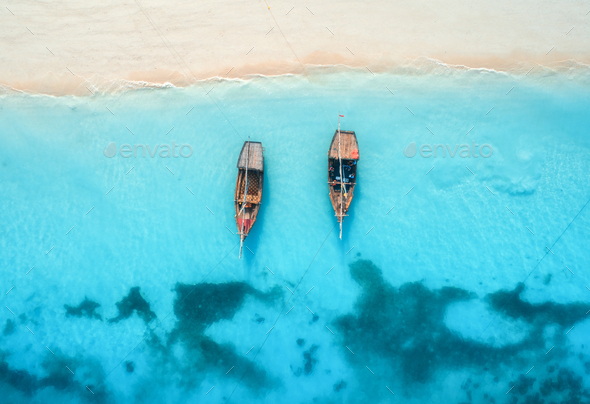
[{"x": 454, "y": 277}]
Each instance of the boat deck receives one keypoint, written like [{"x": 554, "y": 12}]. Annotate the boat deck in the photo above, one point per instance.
[
  {"x": 349, "y": 155},
  {"x": 254, "y": 187}
]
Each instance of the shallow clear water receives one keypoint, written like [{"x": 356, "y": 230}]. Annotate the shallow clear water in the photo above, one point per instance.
[{"x": 454, "y": 277}]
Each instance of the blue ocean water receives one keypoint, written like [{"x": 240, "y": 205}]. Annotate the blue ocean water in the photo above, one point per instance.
[{"x": 455, "y": 275}]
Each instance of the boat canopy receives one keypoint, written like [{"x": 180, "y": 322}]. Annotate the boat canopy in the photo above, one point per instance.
[
  {"x": 349, "y": 148},
  {"x": 254, "y": 160}
]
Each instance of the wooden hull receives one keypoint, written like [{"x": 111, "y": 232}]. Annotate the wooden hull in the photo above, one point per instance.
[
  {"x": 342, "y": 181},
  {"x": 250, "y": 182}
]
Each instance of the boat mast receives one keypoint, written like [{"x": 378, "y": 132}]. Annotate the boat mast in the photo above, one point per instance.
[
  {"x": 342, "y": 187},
  {"x": 244, "y": 202}
]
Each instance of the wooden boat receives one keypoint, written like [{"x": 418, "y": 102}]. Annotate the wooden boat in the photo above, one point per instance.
[
  {"x": 342, "y": 171},
  {"x": 248, "y": 188}
]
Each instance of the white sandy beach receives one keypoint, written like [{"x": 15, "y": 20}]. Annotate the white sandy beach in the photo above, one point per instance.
[{"x": 61, "y": 48}]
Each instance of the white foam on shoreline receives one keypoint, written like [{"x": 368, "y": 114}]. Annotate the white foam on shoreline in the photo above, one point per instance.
[{"x": 569, "y": 69}]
